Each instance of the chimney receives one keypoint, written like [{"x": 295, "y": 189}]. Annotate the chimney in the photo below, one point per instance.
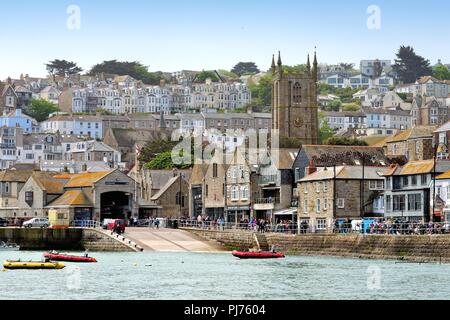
[{"x": 311, "y": 168}]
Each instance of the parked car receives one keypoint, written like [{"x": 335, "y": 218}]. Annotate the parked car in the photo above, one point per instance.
[
  {"x": 117, "y": 224},
  {"x": 3, "y": 222},
  {"x": 37, "y": 223}
]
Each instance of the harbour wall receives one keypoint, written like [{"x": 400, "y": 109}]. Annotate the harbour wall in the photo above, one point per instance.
[
  {"x": 62, "y": 239},
  {"x": 416, "y": 248}
]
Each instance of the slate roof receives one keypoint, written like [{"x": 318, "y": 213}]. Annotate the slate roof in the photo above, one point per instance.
[
  {"x": 85, "y": 179},
  {"x": 49, "y": 183},
  {"x": 347, "y": 173},
  {"x": 128, "y": 137},
  {"x": 72, "y": 198},
  {"x": 15, "y": 175},
  {"x": 165, "y": 188},
  {"x": 413, "y": 133},
  {"x": 326, "y": 155}
]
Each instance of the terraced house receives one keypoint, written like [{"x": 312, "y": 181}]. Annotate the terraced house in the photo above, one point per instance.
[
  {"x": 343, "y": 192},
  {"x": 408, "y": 193}
]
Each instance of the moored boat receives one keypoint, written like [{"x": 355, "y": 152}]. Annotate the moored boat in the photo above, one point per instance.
[
  {"x": 9, "y": 247},
  {"x": 33, "y": 265},
  {"x": 68, "y": 258},
  {"x": 257, "y": 255}
]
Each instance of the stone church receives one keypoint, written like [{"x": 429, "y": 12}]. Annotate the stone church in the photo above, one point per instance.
[{"x": 294, "y": 102}]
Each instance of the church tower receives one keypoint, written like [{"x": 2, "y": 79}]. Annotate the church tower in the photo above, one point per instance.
[{"x": 294, "y": 102}]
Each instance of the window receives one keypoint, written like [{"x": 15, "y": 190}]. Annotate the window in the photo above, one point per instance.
[
  {"x": 321, "y": 224},
  {"x": 325, "y": 204},
  {"x": 341, "y": 203},
  {"x": 413, "y": 180},
  {"x": 244, "y": 193},
  {"x": 399, "y": 202},
  {"x": 6, "y": 187},
  {"x": 405, "y": 181},
  {"x": 325, "y": 186},
  {"x": 305, "y": 187},
  {"x": 305, "y": 206},
  {"x": 414, "y": 202},
  {"x": 29, "y": 198},
  {"x": 318, "y": 205},
  {"x": 424, "y": 179},
  {"x": 206, "y": 190},
  {"x": 215, "y": 170},
  {"x": 297, "y": 93},
  {"x": 234, "y": 193},
  {"x": 318, "y": 186}
]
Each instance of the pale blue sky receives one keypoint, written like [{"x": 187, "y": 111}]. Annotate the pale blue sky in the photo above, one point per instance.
[{"x": 171, "y": 35}]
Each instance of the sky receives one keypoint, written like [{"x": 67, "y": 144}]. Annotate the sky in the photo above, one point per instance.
[{"x": 172, "y": 35}]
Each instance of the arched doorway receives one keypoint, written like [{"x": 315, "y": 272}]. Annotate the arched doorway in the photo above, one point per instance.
[{"x": 115, "y": 205}]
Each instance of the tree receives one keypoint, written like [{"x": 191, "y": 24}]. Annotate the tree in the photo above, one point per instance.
[
  {"x": 164, "y": 161},
  {"x": 261, "y": 92},
  {"x": 377, "y": 69},
  {"x": 334, "y": 105},
  {"x": 62, "y": 68},
  {"x": 340, "y": 141},
  {"x": 346, "y": 94},
  {"x": 441, "y": 72},
  {"x": 156, "y": 147},
  {"x": 347, "y": 66},
  {"x": 228, "y": 74},
  {"x": 40, "y": 109},
  {"x": 245, "y": 68},
  {"x": 325, "y": 132},
  {"x": 410, "y": 66},
  {"x": 133, "y": 69},
  {"x": 351, "y": 107},
  {"x": 292, "y": 70},
  {"x": 202, "y": 76}
]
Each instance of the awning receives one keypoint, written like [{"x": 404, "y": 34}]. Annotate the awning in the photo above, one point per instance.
[{"x": 286, "y": 212}]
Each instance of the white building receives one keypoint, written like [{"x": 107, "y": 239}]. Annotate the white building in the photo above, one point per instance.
[{"x": 74, "y": 125}]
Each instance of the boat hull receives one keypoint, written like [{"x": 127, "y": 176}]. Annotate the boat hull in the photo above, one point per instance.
[
  {"x": 69, "y": 258},
  {"x": 257, "y": 255},
  {"x": 32, "y": 265}
]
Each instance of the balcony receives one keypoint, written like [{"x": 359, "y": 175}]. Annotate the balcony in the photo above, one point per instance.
[
  {"x": 7, "y": 146},
  {"x": 266, "y": 180},
  {"x": 265, "y": 203}
]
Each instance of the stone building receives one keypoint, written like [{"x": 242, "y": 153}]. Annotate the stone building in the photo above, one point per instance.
[
  {"x": 98, "y": 196},
  {"x": 343, "y": 192},
  {"x": 415, "y": 143},
  {"x": 11, "y": 182},
  {"x": 8, "y": 97},
  {"x": 327, "y": 156},
  {"x": 214, "y": 187},
  {"x": 237, "y": 186},
  {"x": 274, "y": 186},
  {"x": 408, "y": 194},
  {"x": 40, "y": 189},
  {"x": 173, "y": 197},
  {"x": 294, "y": 103}
]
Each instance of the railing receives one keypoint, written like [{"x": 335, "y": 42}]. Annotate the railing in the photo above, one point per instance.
[
  {"x": 268, "y": 179},
  {"x": 86, "y": 224},
  {"x": 266, "y": 200},
  {"x": 394, "y": 229},
  {"x": 247, "y": 226}
]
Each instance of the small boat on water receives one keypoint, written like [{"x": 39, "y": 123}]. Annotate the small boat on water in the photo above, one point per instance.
[
  {"x": 55, "y": 256},
  {"x": 257, "y": 255},
  {"x": 9, "y": 246},
  {"x": 33, "y": 265}
]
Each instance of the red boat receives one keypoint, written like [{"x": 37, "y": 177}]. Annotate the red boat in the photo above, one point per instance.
[
  {"x": 68, "y": 258},
  {"x": 257, "y": 255}
]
